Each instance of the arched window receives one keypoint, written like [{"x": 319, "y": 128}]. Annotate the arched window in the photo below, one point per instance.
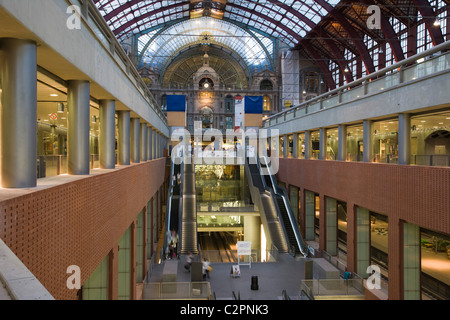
[{"x": 266, "y": 84}]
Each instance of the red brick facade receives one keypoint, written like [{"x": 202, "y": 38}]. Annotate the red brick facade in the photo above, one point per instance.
[
  {"x": 415, "y": 194},
  {"x": 78, "y": 223}
]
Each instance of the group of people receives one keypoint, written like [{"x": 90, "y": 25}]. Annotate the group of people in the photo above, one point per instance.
[
  {"x": 172, "y": 240},
  {"x": 172, "y": 253},
  {"x": 206, "y": 267}
]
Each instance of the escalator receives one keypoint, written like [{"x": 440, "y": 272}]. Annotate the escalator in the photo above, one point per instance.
[
  {"x": 188, "y": 219},
  {"x": 275, "y": 210}
]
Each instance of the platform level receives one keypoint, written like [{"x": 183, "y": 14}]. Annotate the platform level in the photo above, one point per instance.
[{"x": 273, "y": 277}]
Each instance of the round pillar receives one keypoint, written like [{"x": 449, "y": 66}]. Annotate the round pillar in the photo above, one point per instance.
[
  {"x": 107, "y": 134},
  {"x": 124, "y": 138},
  {"x": 135, "y": 140},
  {"x": 78, "y": 141},
  {"x": 18, "y": 76}
]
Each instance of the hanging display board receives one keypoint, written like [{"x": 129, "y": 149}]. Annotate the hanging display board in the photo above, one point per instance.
[{"x": 239, "y": 113}]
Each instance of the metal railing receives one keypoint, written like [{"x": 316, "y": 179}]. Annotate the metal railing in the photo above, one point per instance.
[
  {"x": 283, "y": 194},
  {"x": 176, "y": 290},
  {"x": 418, "y": 66},
  {"x": 230, "y": 256},
  {"x": 331, "y": 287},
  {"x": 435, "y": 160},
  {"x": 100, "y": 29},
  {"x": 55, "y": 165}
]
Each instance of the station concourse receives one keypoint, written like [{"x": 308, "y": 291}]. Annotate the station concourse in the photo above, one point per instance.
[{"x": 302, "y": 148}]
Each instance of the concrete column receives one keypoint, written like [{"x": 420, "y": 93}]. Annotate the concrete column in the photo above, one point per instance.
[
  {"x": 322, "y": 223},
  {"x": 154, "y": 143},
  {"x": 252, "y": 231},
  {"x": 342, "y": 142},
  {"x": 308, "y": 146},
  {"x": 107, "y": 154},
  {"x": 124, "y": 138},
  {"x": 18, "y": 69},
  {"x": 323, "y": 144},
  {"x": 149, "y": 143},
  {"x": 78, "y": 141},
  {"x": 143, "y": 142},
  {"x": 135, "y": 135},
  {"x": 411, "y": 261},
  {"x": 367, "y": 140},
  {"x": 285, "y": 146},
  {"x": 295, "y": 145},
  {"x": 309, "y": 214},
  {"x": 404, "y": 138},
  {"x": 331, "y": 221}
]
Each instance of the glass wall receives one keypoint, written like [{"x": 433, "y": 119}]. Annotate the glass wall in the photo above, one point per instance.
[
  {"x": 435, "y": 265},
  {"x": 315, "y": 144},
  {"x": 96, "y": 286},
  {"x": 124, "y": 266},
  {"x": 140, "y": 261},
  {"x": 221, "y": 186},
  {"x": 290, "y": 145},
  {"x": 332, "y": 144},
  {"x": 342, "y": 229},
  {"x": 94, "y": 135},
  {"x": 385, "y": 141},
  {"x": 379, "y": 228},
  {"x": 430, "y": 139},
  {"x": 316, "y": 217},
  {"x": 301, "y": 146},
  {"x": 51, "y": 132},
  {"x": 355, "y": 143},
  {"x": 51, "y": 138}
]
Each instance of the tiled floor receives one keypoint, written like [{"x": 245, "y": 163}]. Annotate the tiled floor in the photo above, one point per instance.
[{"x": 273, "y": 278}]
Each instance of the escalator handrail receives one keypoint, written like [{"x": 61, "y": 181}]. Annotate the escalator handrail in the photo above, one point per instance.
[
  {"x": 283, "y": 194},
  {"x": 169, "y": 205},
  {"x": 180, "y": 210}
]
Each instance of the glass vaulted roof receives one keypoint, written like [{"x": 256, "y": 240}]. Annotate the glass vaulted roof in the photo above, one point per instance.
[
  {"x": 165, "y": 28},
  {"x": 287, "y": 20},
  {"x": 159, "y": 47}
]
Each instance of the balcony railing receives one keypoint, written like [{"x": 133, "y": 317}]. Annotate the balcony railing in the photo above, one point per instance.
[
  {"x": 418, "y": 66},
  {"x": 177, "y": 290}
]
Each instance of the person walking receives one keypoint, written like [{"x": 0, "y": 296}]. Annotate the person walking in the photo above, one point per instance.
[{"x": 206, "y": 268}]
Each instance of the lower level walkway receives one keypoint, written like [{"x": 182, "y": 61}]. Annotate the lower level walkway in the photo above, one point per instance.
[{"x": 273, "y": 278}]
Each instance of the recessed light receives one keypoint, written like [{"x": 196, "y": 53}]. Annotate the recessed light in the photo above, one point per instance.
[
  {"x": 54, "y": 95},
  {"x": 423, "y": 121},
  {"x": 441, "y": 123}
]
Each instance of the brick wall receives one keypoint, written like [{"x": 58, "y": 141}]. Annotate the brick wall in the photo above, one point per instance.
[
  {"x": 416, "y": 194},
  {"x": 76, "y": 223}
]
